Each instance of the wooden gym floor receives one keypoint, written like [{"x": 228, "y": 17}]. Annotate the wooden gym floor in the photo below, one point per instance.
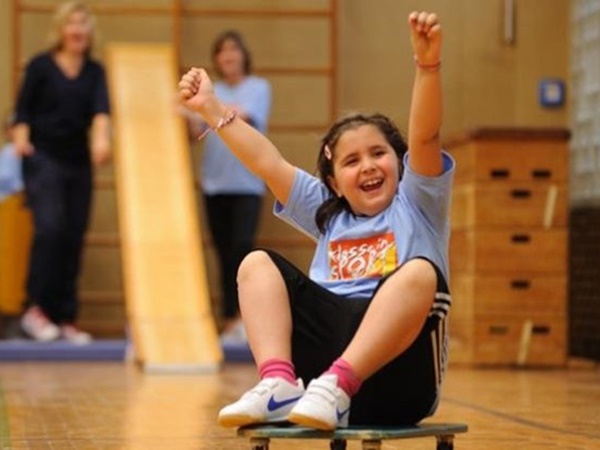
[{"x": 110, "y": 405}]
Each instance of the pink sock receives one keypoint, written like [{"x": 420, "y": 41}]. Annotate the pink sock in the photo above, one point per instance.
[
  {"x": 347, "y": 379},
  {"x": 277, "y": 368}
]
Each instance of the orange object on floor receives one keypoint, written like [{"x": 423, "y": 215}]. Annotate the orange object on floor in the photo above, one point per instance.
[{"x": 15, "y": 239}]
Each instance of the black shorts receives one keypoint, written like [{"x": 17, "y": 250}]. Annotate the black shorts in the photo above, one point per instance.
[{"x": 404, "y": 391}]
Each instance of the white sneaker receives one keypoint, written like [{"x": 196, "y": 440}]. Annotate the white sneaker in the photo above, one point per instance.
[
  {"x": 269, "y": 401},
  {"x": 324, "y": 405},
  {"x": 37, "y": 326},
  {"x": 71, "y": 333}
]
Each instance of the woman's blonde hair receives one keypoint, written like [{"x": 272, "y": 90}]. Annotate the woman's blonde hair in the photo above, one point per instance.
[{"x": 61, "y": 16}]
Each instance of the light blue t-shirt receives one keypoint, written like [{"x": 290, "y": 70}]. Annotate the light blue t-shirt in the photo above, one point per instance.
[
  {"x": 221, "y": 172},
  {"x": 11, "y": 178},
  {"x": 355, "y": 252}
]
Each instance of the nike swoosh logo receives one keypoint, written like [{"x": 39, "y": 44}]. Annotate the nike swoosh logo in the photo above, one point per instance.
[
  {"x": 274, "y": 404},
  {"x": 341, "y": 414}
]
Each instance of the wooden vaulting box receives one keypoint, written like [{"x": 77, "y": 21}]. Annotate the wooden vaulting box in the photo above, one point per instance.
[
  {"x": 512, "y": 155},
  {"x": 508, "y": 340},
  {"x": 520, "y": 204},
  {"x": 509, "y": 248}
]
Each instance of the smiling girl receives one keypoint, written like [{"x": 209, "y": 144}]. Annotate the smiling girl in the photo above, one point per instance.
[{"x": 367, "y": 327}]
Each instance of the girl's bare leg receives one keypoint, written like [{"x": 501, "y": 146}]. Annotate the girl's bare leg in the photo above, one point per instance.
[
  {"x": 394, "y": 318},
  {"x": 265, "y": 308}
]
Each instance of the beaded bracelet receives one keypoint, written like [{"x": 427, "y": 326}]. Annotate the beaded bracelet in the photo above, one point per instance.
[
  {"x": 433, "y": 66},
  {"x": 223, "y": 121}
]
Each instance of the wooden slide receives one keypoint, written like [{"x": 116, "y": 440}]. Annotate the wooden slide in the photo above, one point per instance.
[{"x": 166, "y": 290}]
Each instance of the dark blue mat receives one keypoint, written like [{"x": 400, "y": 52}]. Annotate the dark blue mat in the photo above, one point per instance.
[
  {"x": 26, "y": 350},
  {"x": 237, "y": 353},
  {"x": 99, "y": 350}
]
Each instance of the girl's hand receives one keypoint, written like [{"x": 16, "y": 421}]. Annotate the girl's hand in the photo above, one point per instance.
[
  {"x": 425, "y": 36},
  {"x": 196, "y": 89}
]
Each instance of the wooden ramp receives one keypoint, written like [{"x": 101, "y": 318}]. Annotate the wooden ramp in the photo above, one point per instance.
[{"x": 166, "y": 290}]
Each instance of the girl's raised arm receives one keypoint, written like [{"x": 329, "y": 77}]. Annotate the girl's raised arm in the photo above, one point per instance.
[
  {"x": 425, "y": 119},
  {"x": 251, "y": 147}
]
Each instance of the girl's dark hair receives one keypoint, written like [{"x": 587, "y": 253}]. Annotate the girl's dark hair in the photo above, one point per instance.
[
  {"x": 231, "y": 35},
  {"x": 334, "y": 204}
]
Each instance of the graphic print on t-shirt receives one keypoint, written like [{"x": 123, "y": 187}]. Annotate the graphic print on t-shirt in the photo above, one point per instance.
[{"x": 371, "y": 257}]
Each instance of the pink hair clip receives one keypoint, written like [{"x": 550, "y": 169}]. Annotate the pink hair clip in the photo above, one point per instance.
[{"x": 327, "y": 152}]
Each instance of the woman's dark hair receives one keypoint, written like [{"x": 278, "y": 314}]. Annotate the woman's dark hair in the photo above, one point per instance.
[
  {"x": 236, "y": 37},
  {"x": 334, "y": 204}
]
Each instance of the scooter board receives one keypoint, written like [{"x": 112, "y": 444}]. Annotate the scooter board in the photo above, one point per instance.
[{"x": 371, "y": 437}]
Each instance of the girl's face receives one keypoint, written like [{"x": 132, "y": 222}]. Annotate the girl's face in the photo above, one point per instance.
[
  {"x": 365, "y": 170},
  {"x": 76, "y": 33},
  {"x": 230, "y": 59}
]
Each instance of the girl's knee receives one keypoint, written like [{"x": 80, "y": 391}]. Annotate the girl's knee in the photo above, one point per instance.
[
  {"x": 419, "y": 273},
  {"x": 253, "y": 263}
]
